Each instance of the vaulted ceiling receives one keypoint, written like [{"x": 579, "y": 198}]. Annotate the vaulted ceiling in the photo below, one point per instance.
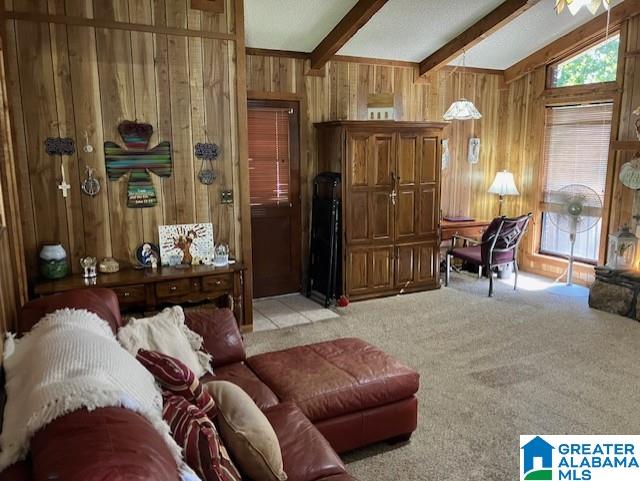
[{"x": 408, "y": 30}]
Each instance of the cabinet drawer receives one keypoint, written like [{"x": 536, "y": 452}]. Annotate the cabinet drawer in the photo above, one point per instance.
[
  {"x": 217, "y": 283},
  {"x": 130, "y": 294},
  {"x": 178, "y": 287},
  {"x": 471, "y": 232}
]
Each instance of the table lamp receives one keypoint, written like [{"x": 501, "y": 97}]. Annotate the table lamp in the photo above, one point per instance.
[{"x": 503, "y": 184}]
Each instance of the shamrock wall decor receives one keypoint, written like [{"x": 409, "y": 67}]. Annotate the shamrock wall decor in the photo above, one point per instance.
[{"x": 137, "y": 161}]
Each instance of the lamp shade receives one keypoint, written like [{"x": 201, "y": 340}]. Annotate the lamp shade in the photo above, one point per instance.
[
  {"x": 504, "y": 184},
  {"x": 462, "y": 109}
]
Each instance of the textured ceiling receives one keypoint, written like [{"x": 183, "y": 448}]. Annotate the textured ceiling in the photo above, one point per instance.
[
  {"x": 298, "y": 25},
  {"x": 407, "y": 30},
  {"x": 537, "y": 27},
  {"x": 413, "y": 29}
]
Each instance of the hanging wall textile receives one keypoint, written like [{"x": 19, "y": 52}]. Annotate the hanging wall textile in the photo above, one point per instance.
[
  {"x": 61, "y": 146},
  {"x": 139, "y": 162}
]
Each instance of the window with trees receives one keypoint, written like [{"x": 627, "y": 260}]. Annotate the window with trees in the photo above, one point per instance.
[{"x": 598, "y": 64}]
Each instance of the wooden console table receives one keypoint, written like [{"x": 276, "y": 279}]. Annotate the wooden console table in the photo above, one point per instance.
[{"x": 150, "y": 289}]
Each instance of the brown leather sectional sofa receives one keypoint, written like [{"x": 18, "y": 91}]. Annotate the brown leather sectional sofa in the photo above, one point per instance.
[{"x": 320, "y": 399}]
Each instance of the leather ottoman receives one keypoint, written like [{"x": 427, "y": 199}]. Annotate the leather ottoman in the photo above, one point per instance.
[{"x": 354, "y": 393}]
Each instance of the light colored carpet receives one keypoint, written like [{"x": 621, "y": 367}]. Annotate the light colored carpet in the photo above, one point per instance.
[{"x": 491, "y": 369}]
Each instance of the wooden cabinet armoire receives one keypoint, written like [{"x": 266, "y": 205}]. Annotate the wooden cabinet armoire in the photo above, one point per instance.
[{"x": 390, "y": 203}]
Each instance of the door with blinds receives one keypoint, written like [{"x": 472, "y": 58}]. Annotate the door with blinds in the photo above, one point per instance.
[
  {"x": 576, "y": 151},
  {"x": 274, "y": 179}
]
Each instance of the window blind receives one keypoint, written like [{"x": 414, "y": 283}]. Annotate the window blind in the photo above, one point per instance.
[
  {"x": 576, "y": 148},
  {"x": 576, "y": 151},
  {"x": 269, "y": 159}
]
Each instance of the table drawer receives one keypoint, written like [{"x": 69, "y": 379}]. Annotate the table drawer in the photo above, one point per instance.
[
  {"x": 472, "y": 232},
  {"x": 131, "y": 294},
  {"x": 179, "y": 287},
  {"x": 217, "y": 283}
]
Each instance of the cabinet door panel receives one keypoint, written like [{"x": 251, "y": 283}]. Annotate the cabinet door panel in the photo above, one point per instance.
[
  {"x": 381, "y": 216},
  {"x": 358, "y": 229},
  {"x": 416, "y": 264},
  {"x": 357, "y": 271},
  {"x": 406, "y": 266},
  {"x": 428, "y": 211},
  {"x": 358, "y": 156},
  {"x": 429, "y": 263},
  {"x": 429, "y": 164},
  {"x": 406, "y": 214},
  {"x": 381, "y": 268},
  {"x": 383, "y": 160},
  {"x": 407, "y": 159}
]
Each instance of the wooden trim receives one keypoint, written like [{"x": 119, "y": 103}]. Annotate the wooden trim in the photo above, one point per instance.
[
  {"x": 581, "y": 93},
  {"x": 625, "y": 145},
  {"x": 353, "y": 21},
  {"x": 261, "y": 95},
  {"x": 112, "y": 24},
  {"x": 533, "y": 262},
  {"x": 266, "y": 52},
  {"x": 581, "y": 36},
  {"x": 243, "y": 160},
  {"x": 215, "y": 6},
  {"x": 495, "y": 20},
  {"x": 374, "y": 61}
]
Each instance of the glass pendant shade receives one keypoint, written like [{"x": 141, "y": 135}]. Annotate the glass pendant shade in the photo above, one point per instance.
[
  {"x": 462, "y": 109},
  {"x": 574, "y": 6}
]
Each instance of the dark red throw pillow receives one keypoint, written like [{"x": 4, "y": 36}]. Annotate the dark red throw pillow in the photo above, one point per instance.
[
  {"x": 202, "y": 448},
  {"x": 174, "y": 376}
]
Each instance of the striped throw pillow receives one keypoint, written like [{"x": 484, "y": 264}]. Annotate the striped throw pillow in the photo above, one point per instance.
[
  {"x": 202, "y": 448},
  {"x": 174, "y": 376}
]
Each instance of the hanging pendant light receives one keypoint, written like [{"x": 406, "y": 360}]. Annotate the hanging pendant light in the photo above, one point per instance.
[
  {"x": 462, "y": 109},
  {"x": 575, "y": 6}
]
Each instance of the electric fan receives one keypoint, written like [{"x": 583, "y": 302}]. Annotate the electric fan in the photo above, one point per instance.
[{"x": 575, "y": 208}]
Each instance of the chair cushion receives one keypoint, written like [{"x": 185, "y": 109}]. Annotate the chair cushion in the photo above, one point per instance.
[
  {"x": 174, "y": 376},
  {"x": 306, "y": 454},
  {"x": 81, "y": 446},
  {"x": 20, "y": 471},
  {"x": 242, "y": 376},
  {"x": 196, "y": 434},
  {"x": 335, "y": 378},
  {"x": 474, "y": 255}
]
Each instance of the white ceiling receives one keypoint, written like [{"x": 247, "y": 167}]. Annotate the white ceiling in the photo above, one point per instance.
[
  {"x": 537, "y": 27},
  {"x": 407, "y": 30},
  {"x": 298, "y": 25}
]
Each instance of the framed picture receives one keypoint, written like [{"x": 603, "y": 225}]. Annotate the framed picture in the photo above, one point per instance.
[{"x": 186, "y": 244}]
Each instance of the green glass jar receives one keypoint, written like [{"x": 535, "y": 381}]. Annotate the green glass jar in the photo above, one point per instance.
[{"x": 53, "y": 262}]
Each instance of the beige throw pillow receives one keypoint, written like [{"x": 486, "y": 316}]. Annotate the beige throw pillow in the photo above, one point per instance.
[
  {"x": 166, "y": 333},
  {"x": 247, "y": 433}
]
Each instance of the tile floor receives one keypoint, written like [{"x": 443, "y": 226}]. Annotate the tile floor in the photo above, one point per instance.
[{"x": 287, "y": 311}]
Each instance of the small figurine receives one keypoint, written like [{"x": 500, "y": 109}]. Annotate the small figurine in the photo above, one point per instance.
[
  {"x": 153, "y": 260},
  {"x": 89, "y": 264}
]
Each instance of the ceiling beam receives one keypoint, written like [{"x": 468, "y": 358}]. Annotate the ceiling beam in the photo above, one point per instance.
[
  {"x": 353, "y": 21},
  {"x": 499, "y": 17},
  {"x": 575, "y": 40}
]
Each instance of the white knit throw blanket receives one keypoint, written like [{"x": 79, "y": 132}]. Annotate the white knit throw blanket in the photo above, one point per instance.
[{"x": 71, "y": 360}]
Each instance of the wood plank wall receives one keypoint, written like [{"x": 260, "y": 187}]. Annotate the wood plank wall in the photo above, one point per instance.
[
  {"x": 524, "y": 109},
  {"x": 13, "y": 285},
  {"x": 95, "y": 64},
  {"x": 342, "y": 95}
]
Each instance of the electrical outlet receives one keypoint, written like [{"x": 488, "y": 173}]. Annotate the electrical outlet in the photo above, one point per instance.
[{"x": 226, "y": 197}]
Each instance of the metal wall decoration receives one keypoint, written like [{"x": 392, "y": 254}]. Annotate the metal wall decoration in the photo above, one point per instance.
[
  {"x": 139, "y": 162},
  {"x": 90, "y": 185},
  {"x": 207, "y": 153},
  {"x": 61, "y": 146}
]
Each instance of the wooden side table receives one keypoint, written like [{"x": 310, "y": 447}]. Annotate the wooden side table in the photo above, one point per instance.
[{"x": 150, "y": 289}]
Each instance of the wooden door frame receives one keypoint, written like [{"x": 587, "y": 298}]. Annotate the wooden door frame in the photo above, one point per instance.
[{"x": 255, "y": 99}]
